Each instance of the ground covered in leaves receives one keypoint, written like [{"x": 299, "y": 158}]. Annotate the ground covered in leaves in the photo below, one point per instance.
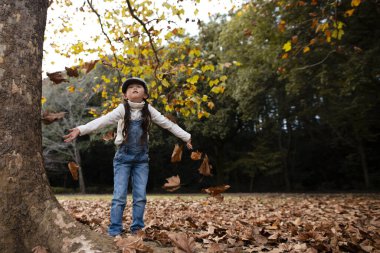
[{"x": 246, "y": 223}]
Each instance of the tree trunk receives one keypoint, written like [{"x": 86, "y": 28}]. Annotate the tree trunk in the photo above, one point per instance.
[
  {"x": 30, "y": 214},
  {"x": 363, "y": 159}
]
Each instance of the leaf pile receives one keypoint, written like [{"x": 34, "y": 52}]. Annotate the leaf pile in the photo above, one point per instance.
[{"x": 251, "y": 223}]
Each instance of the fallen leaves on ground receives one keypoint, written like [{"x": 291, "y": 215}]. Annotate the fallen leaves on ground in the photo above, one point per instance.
[
  {"x": 251, "y": 223},
  {"x": 39, "y": 249}
]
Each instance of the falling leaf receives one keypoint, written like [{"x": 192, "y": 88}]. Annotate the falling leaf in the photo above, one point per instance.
[
  {"x": 349, "y": 13},
  {"x": 74, "y": 170},
  {"x": 306, "y": 49},
  {"x": 43, "y": 100},
  {"x": 177, "y": 153},
  {"x": 50, "y": 117},
  {"x": 88, "y": 66},
  {"x": 56, "y": 77},
  {"x": 355, "y": 3},
  {"x": 110, "y": 135},
  {"x": 39, "y": 249},
  {"x": 173, "y": 184},
  {"x": 71, "y": 88},
  {"x": 72, "y": 72},
  {"x": 205, "y": 168},
  {"x": 214, "y": 191},
  {"x": 183, "y": 243},
  {"x": 196, "y": 155}
]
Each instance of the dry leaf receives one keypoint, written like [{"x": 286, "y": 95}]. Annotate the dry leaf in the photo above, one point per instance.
[
  {"x": 39, "y": 249},
  {"x": 72, "y": 72},
  {"x": 56, "y": 77},
  {"x": 213, "y": 191},
  {"x": 109, "y": 136},
  {"x": 182, "y": 242},
  {"x": 196, "y": 155},
  {"x": 172, "y": 184},
  {"x": 88, "y": 66},
  {"x": 205, "y": 168},
  {"x": 177, "y": 153},
  {"x": 132, "y": 244},
  {"x": 50, "y": 117},
  {"x": 74, "y": 170}
]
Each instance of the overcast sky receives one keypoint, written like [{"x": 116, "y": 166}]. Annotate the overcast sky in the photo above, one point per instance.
[{"x": 86, "y": 25}]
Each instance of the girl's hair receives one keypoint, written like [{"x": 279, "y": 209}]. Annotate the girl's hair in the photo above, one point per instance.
[{"x": 146, "y": 118}]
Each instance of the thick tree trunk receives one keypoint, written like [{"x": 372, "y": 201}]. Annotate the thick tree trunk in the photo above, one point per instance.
[{"x": 29, "y": 213}]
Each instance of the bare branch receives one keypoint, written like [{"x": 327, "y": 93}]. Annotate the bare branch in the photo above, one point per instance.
[
  {"x": 317, "y": 63},
  {"x": 149, "y": 36}
]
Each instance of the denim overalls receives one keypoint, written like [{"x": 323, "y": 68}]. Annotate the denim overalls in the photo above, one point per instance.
[{"x": 131, "y": 159}]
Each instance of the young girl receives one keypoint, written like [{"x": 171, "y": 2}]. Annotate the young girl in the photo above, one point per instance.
[{"x": 133, "y": 119}]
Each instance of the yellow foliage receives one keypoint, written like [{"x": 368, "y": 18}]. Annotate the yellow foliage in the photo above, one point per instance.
[
  {"x": 355, "y": 3},
  {"x": 71, "y": 88},
  {"x": 193, "y": 80},
  {"x": 43, "y": 100},
  {"x": 306, "y": 49},
  {"x": 213, "y": 82},
  {"x": 287, "y": 46}
]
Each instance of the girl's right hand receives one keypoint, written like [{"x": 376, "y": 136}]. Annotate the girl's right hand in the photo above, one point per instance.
[{"x": 72, "y": 135}]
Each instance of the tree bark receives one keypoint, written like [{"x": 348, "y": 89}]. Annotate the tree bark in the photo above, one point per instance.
[
  {"x": 78, "y": 160},
  {"x": 30, "y": 214}
]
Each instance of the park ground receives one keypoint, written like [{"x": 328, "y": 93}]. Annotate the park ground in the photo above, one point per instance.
[{"x": 275, "y": 222}]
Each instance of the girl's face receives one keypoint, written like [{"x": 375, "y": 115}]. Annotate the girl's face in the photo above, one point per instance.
[{"x": 135, "y": 93}]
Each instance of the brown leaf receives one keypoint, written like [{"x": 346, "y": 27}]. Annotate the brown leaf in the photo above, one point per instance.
[
  {"x": 172, "y": 184},
  {"x": 109, "y": 136},
  {"x": 132, "y": 244},
  {"x": 56, "y": 77},
  {"x": 171, "y": 118},
  {"x": 72, "y": 72},
  {"x": 39, "y": 249},
  {"x": 177, "y": 153},
  {"x": 74, "y": 170},
  {"x": 205, "y": 168},
  {"x": 214, "y": 191},
  {"x": 182, "y": 242},
  {"x": 50, "y": 117},
  {"x": 88, "y": 66},
  {"x": 196, "y": 155}
]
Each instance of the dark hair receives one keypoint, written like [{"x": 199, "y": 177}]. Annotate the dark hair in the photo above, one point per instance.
[{"x": 146, "y": 118}]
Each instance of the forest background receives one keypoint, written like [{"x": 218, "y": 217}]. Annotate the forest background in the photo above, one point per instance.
[{"x": 280, "y": 95}]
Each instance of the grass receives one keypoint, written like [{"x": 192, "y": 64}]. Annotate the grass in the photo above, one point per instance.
[{"x": 108, "y": 197}]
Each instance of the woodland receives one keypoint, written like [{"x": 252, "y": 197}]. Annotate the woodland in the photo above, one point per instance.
[{"x": 281, "y": 98}]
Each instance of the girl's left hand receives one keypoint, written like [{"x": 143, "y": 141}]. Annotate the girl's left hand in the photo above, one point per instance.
[{"x": 189, "y": 145}]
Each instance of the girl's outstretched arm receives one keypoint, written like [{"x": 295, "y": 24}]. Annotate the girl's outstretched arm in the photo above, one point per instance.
[{"x": 74, "y": 132}]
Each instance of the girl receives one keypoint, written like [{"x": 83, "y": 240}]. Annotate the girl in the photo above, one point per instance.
[{"x": 133, "y": 119}]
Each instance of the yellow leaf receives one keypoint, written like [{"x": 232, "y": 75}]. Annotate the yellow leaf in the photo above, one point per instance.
[
  {"x": 43, "y": 100},
  {"x": 285, "y": 56},
  {"x": 71, "y": 88},
  {"x": 355, "y": 3},
  {"x": 210, "y": 105},
  {"x": 204, "y": 98},
  {"x": 213, "y": 82},
  {"x": 349, "y": 13},
  {"x": 223, "y": 78},
  {"x": 193, "y": 79},
  {"x": 287, "y": 46},
  {"x": 306, "y": 49}
]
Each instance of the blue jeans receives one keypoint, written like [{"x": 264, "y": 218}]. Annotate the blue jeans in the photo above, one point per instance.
[{"x": 130, "y": 160}]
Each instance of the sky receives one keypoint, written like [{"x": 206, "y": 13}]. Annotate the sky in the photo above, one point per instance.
[{"x": 86, "y": 26}]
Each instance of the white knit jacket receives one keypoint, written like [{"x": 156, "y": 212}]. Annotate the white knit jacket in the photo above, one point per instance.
[{"x": 117, "y": 116}]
